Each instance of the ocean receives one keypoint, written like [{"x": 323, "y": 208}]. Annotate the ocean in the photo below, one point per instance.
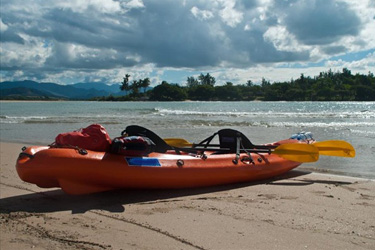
[{"x": 261, "y": 122}]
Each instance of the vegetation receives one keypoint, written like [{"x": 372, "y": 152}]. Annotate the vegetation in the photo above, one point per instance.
[
  {"x": 327, "y": 86},
  {"x": 168, "y": 92}
]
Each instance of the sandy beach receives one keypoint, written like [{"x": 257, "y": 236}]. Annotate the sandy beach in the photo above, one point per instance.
[{"x": 299, "y": 210}]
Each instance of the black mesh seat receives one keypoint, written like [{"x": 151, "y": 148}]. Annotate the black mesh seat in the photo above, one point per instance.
[{"x": 230, "y": 138}]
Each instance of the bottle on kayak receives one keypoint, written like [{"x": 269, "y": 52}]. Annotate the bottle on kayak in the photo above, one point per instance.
[{"x": 303, "y": 136}]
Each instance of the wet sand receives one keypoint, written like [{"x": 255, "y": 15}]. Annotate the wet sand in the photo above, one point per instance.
[{"x": 299, "y": 210}]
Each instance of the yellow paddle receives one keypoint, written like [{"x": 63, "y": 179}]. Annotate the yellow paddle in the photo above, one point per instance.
[
  {"x": 177, "y": 142},
  {"x": 294, "y": 152},
  {"x": 331, "y": 148},
  {"x": 335, "y": 148},
  {"x": 298, "y": 152}
]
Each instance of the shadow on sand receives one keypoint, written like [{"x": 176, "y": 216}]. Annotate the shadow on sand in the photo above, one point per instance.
[{"x": 114, "y": 201}]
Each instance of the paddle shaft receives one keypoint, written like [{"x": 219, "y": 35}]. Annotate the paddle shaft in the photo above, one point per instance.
[
  {"x": 330, "y": 148},
  {"x": 254, "y": 146},
  {"x": 224, "y": 150}
]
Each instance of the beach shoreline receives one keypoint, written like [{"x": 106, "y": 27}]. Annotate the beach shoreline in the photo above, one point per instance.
[{"x": 298, "y": 210}]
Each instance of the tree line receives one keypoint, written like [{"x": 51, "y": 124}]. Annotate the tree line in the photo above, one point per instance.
[{"x": 327, "y": 86}]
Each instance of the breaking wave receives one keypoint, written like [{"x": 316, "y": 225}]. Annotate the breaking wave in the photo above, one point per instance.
[
  {"x": 58, "y": 119},
  {"x": 296, "y": 124},
  {"x": 361, "y": 114}
]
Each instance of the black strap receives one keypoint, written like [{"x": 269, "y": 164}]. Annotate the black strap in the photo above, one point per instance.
[{"x": 206, "y": 142}]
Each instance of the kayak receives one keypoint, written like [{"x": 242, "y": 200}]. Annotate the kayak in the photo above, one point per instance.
[
  {"x": 94, "y": 172},
  {"x": 79, "y": 171},
  {"x": 170, "y": 163}
]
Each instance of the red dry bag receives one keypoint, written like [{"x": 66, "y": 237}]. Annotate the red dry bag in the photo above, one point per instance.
[{"x": 94, "y": 137}]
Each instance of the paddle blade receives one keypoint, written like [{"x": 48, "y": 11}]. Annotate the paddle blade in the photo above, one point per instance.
[
  {"x": 298, "y": 152},
  {"x": 335, "y": 148},
  {"x": 177, "y": 142}
]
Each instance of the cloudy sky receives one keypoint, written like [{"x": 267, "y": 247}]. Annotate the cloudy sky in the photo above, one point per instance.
[{"x": 101, "y": 40}]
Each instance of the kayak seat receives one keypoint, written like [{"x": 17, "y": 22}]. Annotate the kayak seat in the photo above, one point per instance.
[
  {"x": 230, "y": 141},
  {"x": 160, "y": 145},
  {"x": 229, "y": 138}
]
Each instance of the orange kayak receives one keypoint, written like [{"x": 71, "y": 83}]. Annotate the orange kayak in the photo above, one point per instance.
[{"x": 92, "y": 172}]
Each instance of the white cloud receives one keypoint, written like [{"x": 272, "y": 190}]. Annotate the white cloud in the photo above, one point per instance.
[
  {"x": 3, "y": 26},
  {"x": 283, "y": 40},
  {"x": 229, "y": 14},
  {"x": 363, "y": 65},
  {"x": 104, "y": 6},
  {"x": 134, "y": 4},
  {"x": 201, "y": 14},
  {"x": 32, "y": 54}
]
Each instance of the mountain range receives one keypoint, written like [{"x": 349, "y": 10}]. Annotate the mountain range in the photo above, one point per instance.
[{"x": 79, "y": 91}]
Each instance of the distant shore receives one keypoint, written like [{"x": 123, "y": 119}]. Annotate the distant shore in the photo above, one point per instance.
[
  {"x": 34, "y": 101},
  {"x": 299, "y": 210},
  {"x": 326, "y": 86},
  {"x": 256, "y": 100}
]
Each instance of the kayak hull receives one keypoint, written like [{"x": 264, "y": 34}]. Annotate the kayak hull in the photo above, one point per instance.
[{"x": 93, "y": 172}]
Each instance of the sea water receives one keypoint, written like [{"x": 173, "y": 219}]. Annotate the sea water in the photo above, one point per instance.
[{"x": 262, "y": 122}]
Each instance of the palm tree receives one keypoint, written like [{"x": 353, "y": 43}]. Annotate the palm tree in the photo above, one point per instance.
[
  {"x": 207, "y": 79},
  {"x": 125, "y": 83},
  {"x": 145, "y": 83}
]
